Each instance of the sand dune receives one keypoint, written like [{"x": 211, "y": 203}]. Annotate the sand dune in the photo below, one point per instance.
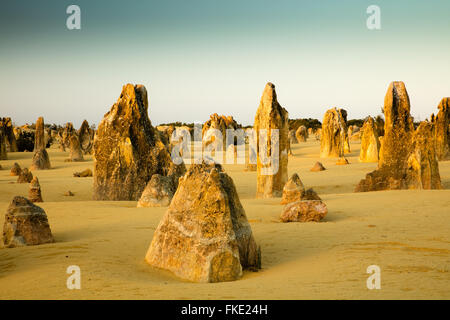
[{"x": 405, "y": 232}]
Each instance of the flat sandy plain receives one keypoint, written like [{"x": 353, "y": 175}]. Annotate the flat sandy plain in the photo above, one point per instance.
[{"x": 406, "y": 233}]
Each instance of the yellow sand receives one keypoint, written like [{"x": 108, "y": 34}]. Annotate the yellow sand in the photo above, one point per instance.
[{"x": 406, "y": 233}]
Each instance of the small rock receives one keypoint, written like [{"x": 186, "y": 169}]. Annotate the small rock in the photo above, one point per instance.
[
  {"x": 25, "y": 224},
  {"x": 304, "y": 211},
  {"x": 83, "y": 174},
  {"x": 25, "y": 176},
  {"x": 158, "y": 192},
  {"x": 292, "y": 189},
  {"x": 318, "y": 166},
  {"x": 15, "y": 170},
  {"x": 34, "y": 193}
]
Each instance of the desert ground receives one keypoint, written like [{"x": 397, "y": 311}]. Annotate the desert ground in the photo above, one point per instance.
[{"x": 406, "y": 233}]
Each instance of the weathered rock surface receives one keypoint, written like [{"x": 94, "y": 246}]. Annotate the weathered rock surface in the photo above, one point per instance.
[
  {"x": 86, "y": 137},
  {"x": 25, "y": 224},
  {"x": 204, "y": 235},
  {"x": 3, "y": 152},
  {"x": 66, "y": 134},
  {"x": 334, "y": 140},
  {"x": 34, "y": 193},
  {"x": 271, "y": 174},
  {"x": 370, "y": 143},
  {"x": 76, "y": 154},
  {"x": 304, "y": 211},
  {"x": 301, "y": 134},
  {"x": 25, "y": 176},
  {"x": 442, "y": 130},
  {"x": 158, "y": 192},
  {"x": 41, "y": 160},
  {"x": 318, "y": 166},
  {"x": 292, "y": 138},
  {"x": 83, "y": 174},
  {"x": 407, "y": 158},
  {"x": 9, "y": 134},
  {"x": 309, "y": 194},
  {"x": 292, "y": 190},
  {"x": 422, "y": 171},
  {"x": 221, "y": 123},
  {"x": 128, "y": 151}
]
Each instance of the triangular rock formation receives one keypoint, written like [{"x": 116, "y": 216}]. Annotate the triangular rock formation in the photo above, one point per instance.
[
  {"x": 25, "y": 176},
  {"x": 128, "y": 151},
  {"x": 86, "y": 137},
  {"x": 34, "y": 193},
  {"x": 204, "y": 235},
  {"x": 15, "y": 170},
  {"x": 25, "y": 224},
  {"x": 292, "y": 190},
  {"x": 76, "y": 154},
  {"x": 158, "y": 192}
]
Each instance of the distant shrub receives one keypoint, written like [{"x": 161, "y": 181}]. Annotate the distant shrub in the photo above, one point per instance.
[
  {"x": 355, "y": 122},
  {"x": 177, "y": 124},
  {"x": 308, "y": 123}
]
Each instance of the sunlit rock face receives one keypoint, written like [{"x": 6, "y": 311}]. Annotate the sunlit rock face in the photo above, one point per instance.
[
  {"x": 271, "y": 174},
  {"x": 25, "y": 224},
  {"x": 86, "y": 137},
  {"x": 158, "y": 192},
  {"x": 10, "y": 138},
  {"x": 76, "y": 153},
  {"x": 370, "y": 143},
  {"x": 301, "y": 134},
  {"x": 407, "y": 157},
  {"x": 334, "y": 140},
  {"x": 128, "y": 150},
  {"x": 441, "y": 125},
  {"x": 34, "y": 191},
  {"x": 41, "y": 160},
  {"x": 204, "y": 235},
  {"x": 292, "y": 190},
  {"x": 304, "y": 211}
]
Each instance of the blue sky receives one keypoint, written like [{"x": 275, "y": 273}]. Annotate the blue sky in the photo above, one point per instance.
[{"x": 202, "y": 56}]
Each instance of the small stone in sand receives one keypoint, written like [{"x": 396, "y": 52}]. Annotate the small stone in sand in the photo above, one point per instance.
[
  {"x": 318, "y": 166},
  {"x": 304, "y": 211},
  {"x": 83, "y": 174},
  {"x": 342, "y": 161}
]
